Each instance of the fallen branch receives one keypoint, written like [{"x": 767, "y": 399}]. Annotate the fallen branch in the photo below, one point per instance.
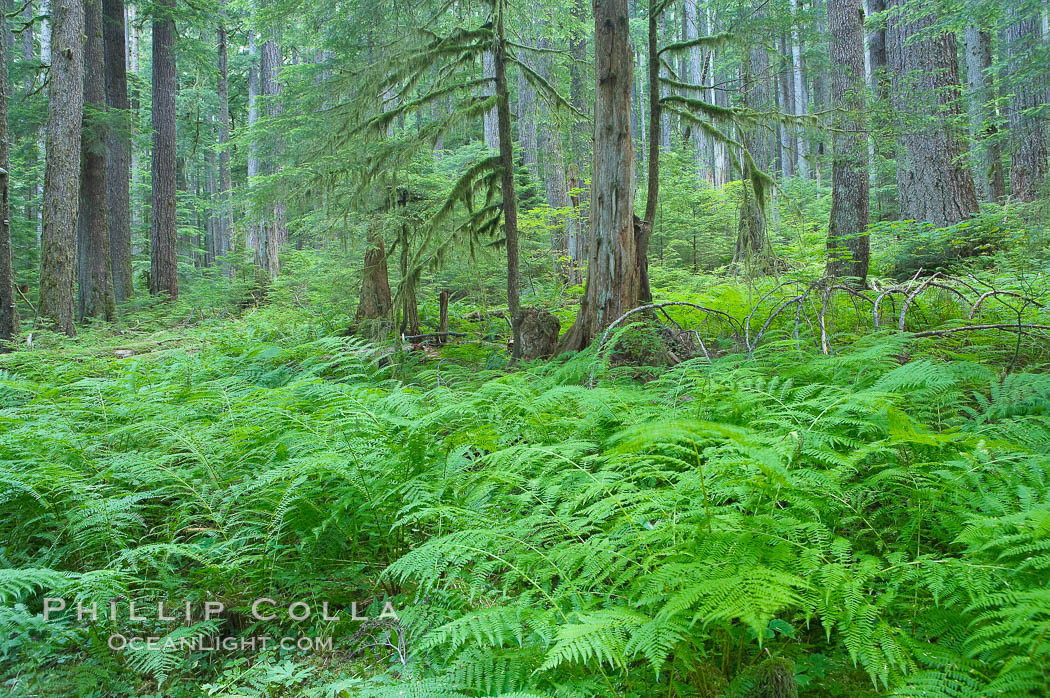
[
  {"x": 431, "y": 335},
  {"x": 971, "y": 328}
]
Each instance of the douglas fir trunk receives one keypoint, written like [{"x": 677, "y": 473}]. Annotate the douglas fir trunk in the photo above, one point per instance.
[
  {"x": 118, "y": 147},
  {"x": 847, "y": 232},
  {"x": 164, "y": 257},
  {"x": 62, "y": 170},
  {"x": 933, "y": 177},
  {"x": 95, "y": 285}
]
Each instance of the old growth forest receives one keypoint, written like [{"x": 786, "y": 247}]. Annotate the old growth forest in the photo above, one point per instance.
[{"x": 525, "y": 349}]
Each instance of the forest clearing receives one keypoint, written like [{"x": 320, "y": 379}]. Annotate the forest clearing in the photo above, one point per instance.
[{"x": 534, "y": 349}]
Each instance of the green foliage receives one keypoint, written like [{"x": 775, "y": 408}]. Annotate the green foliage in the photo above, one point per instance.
[
  {"x": 870, "y": 522},
  {"x": 912, "y": 246}
]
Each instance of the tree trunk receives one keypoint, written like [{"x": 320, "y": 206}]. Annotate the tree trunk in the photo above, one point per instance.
[
  {"x": 656, "y": 143},
  {"x": 612, "y": 286},
  {"x": 577, "y": 89},
  {"x": 213, "y": 236},
  {"x": 491, "y": 120},
  {"x": 225, "y": 182},
  {"x": 118, "y": 149},
  {"x": 28, "y": 87},
  {"x": 661, "y": 90},
  {"x": 527, "y": 111},
  {"x": 409, "y": 305},
  {"x": 164, "y": 253},
  {"x": 786, "y": 105},
  {"x": 62, "y": 170},
  {"x": 8, "y": 307},
  {"x": 254, "y": 228},
  {"x": 818, "y": 100},
  {"x": 443, "y": 297},
  {"x": 720, "y": 150},
  {"x": 506, "y": 154},
  {"x": 375, "y": 302},
  {"x": 848, "y": 245},
  {"x": 272, "y": 229},
  {"x": 751, "y": 230},
  {"x": 801, "y": 156},
  {"x": 694, "y": 76},
  {"x": 95, "y": 284},
  {"x": 991, "y": 183},
  {"x": 1028, "y": 90},
  {"x": 555, "y": 185},
  {"x": 932, "y": 175}
]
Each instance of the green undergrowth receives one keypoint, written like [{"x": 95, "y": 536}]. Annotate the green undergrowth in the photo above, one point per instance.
[{"x": 875, "y": 521}]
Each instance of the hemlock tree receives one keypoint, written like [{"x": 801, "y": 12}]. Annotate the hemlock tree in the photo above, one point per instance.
[
  {"x": 118, "y": 149},
  {"x": 435, "y": 68},
  {"x": 8, "y": 308},
  {"x": 933, "y": 177},
  {"x": 613, "y": 281},
  {"x": 848, "y": 244},
  {"x": 164, "y": 256},
  {"x": 62, "y": 169},
  {"x": 94, "y": 283}
]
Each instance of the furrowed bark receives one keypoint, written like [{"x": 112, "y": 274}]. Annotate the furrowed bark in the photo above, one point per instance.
[{"x": 62, "y": 169}]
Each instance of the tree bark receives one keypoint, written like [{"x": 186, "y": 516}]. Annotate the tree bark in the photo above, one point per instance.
[
  {"x": 527, "y": 111},
  {"x": 272, "y": 229},
  {"x": 555, "y": 185},
  {"x": 8, "y": 307},
  {"x": 661, "y": 90},
  {"x": 933, "y": 177},
  {"x": 62, "y": 169},
  {"x": 1028, "y": 90},
  {"x": 225, "y": 182},
  {"x": 490, "y": 120},
  {"x": 751, "y": 230},
  {"x": 375, "y": 302},
  {"x": 164, "y": 253},
  {"x": 510, "y": 202},
  {"x": 577, "y": 88},
  {"x": 254, "y": 228},
  {"x": 801, "y": 156},
  {"x": 95, "y": 284},
  {"x": 991, "y": 183},
  {"x": 848, "y": 244},
  {"x": 612, "y": 286},
  {"x": 785, "y": 104},
  {"x": 657, "y": 126},
  {"x": 118, "y": 149},
  {"x": 694, "y": 76}
]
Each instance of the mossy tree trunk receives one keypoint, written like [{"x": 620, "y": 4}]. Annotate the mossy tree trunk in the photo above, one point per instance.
[{"x": 62, "y": 168}]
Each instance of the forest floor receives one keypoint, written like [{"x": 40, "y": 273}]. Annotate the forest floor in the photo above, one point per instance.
[{"x": 867, "y": 521}]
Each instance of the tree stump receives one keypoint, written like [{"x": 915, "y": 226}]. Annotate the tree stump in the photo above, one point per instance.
[{"x": 539, "y": 334}]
